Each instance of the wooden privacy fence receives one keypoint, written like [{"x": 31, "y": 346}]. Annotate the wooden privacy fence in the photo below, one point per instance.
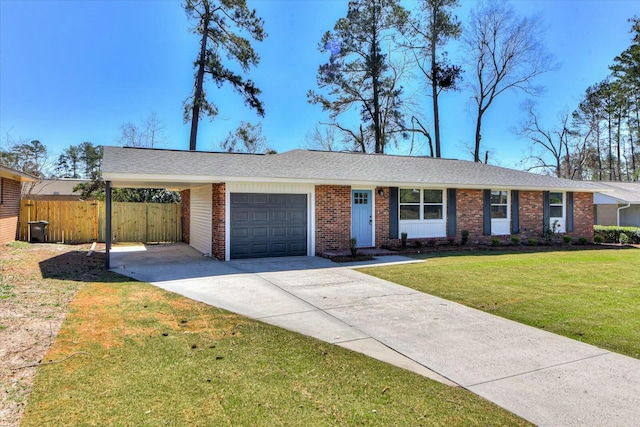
[{"x": 79, "y": 222}]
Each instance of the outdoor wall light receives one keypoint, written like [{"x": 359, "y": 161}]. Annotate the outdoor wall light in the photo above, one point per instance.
[{"x": 381, "y": 192}]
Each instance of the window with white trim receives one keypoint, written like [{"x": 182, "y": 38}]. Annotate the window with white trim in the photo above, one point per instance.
[
  {"x": 421, "y": 204},
  {"x": 556, "y": 205},
  {"x": 556, "y": 212},
  {"x": 500, "y": 212},
  {"x": 499, "y": 204}
]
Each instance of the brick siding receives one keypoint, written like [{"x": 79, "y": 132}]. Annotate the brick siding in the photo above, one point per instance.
[
  {"x": 583, "y": 215},
  {"x": 185, "y": 214},
  {"x": 531, "y": 215},
  {"x": 470, "y": 214},
  {"x": 382, "y": 217},
  {"x": 9, "y": 209},
  {"x": 218, "y": 219},
  {"x": 333, "y": 217}
]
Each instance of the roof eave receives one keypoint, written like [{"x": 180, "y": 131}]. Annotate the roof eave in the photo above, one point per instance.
[{"x": 187, "y": 181}]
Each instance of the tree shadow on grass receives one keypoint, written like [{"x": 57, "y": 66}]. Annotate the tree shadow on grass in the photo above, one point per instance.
[{"x": 79, "y": 266}]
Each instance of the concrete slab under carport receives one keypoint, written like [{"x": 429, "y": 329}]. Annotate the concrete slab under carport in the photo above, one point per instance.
[{"x": 545, "y": 378}]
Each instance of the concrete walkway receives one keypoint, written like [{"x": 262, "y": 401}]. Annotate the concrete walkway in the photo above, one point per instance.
[{"x": 542, "y": 377}]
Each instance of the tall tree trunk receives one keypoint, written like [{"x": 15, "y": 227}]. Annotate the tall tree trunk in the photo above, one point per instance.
[
  {"x": 434, "y": 92},
  {"x": 619, "y": 150},
  {"x": 476, "y": 153},
  {"x": 379, "y": 147},
  {"x": 197, "y": 94},
  {"x": 610, "y": 147}
]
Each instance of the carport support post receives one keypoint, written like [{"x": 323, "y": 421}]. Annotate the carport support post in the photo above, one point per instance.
[{"x": 107, "y": 191}]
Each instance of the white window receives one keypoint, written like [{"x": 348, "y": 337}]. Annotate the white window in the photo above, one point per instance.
[
  {"x": 422, "y": 205},
  {"x": 499, "y": 204},
  {"x": 556, "y": 212},
  {"x": 422, "y": 212},
  {"x": 500, "y": 213}
]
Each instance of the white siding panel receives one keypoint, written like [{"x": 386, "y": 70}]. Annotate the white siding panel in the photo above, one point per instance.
[
  {"x": 262, "y": 187},
  {"x": 201, "y": 218},
  {"x": 501, "y": 227},
  {"x": 423, "y": 229}
]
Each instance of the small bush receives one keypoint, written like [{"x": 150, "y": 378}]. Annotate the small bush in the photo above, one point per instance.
[
  {"x": 515, "y": 240},
  {"x": 624, "y": 239},
  {"x": 533, "y": 242},
  {"x": 418, "y": 243},
  {"x": 583, "y": 241},
  {"x": 352, "y": 246},
  {"x": 567, "y": 239},
  {"x": 598, "y": 239},
  {"x": 611, "y": 234},
  {"x": 465, "y": 236},
  {"x": 403, "y": 236},
  {"x": 495, "y": 242}
]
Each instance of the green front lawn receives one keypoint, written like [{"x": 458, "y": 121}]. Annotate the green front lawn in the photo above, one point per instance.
[
  {"x": 591, "y": 295},
  {"x": 130, "y": 354}
]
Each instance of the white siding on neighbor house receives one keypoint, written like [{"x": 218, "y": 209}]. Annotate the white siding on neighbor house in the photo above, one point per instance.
[
  {"x": 630, "y": 217},
  {"x": 274, "y": 188},
  {"x": 200, "y": 231}
]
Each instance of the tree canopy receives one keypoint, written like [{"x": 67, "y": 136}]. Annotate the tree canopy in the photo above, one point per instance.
[{"x": 221, "y": 26}]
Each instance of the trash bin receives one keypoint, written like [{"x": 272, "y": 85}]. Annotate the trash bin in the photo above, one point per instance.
[{"x": 38, "y": 230}]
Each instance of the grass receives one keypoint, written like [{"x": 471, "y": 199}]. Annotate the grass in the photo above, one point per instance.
[
  {"x": 592, "y": 296},
  {"x": 131, "y": 354}
]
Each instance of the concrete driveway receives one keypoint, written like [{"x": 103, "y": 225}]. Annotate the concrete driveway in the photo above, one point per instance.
[{"x": 545, "y": 378}]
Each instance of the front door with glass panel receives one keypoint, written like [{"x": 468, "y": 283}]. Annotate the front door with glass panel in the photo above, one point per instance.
[{"x": 362, "y": 217}]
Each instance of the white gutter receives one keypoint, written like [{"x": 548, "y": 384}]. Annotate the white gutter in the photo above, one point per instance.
[{"x": 618, "y": 213}]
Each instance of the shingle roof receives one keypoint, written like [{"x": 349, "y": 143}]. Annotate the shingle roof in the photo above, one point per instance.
[
  {"x": 628, "y": 192},
  {"x": 126, "y": 165}
]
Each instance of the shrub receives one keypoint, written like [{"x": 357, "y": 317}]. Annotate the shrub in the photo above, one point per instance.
[
  {"x": 567, "y": 239},
  {"x": 598, "y": 239},
  {"x": 418, "y": 243},
  {"x": 495, "y": 242},
  {"x": 403, "y": 236},
  {"x": 465, "y": 236},
  {"x": 352, "y": 246},
  {"x": 533, "y": 242},
  {"x": 624, "y": 239},
  {"x": 611, "y": 234},
  {"x": 515, "y": 240},
  {"x": 583, "y": 241}
]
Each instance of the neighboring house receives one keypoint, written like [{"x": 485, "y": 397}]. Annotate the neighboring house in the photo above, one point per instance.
[
  {"x": 618, "y": 205},
  {"x": 309, "y": 202},
  {"x": 53, "y": 189},
  {"x": 10, "y": 186}
]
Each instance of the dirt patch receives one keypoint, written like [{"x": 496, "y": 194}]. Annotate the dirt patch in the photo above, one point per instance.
[{"x": 37, "y": 283}]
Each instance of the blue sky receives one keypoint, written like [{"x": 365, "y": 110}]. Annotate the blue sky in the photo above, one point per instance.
[{"x": 74, "y": 71}]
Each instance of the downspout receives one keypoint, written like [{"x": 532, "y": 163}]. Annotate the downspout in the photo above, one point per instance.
[
  {"x": 618, "y": 213},
  {"x": 107, "y": 190}
]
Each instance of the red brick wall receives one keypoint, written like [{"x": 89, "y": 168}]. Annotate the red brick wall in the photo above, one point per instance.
[
  {"x": 583, "y": 215},
  {"x": 333, "y": 217},
  {"x": 185, "y": 215},
  {"x": 382, "y": 216},
  {"x": 9, "y": 209},
  {"x": 218, "y": 218},
  {"x": 469, "y": 213},
  {"x": 531, "y": 214}
]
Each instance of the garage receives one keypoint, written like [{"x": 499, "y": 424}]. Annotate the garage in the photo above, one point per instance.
[{"x": 268, "y": 225}]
